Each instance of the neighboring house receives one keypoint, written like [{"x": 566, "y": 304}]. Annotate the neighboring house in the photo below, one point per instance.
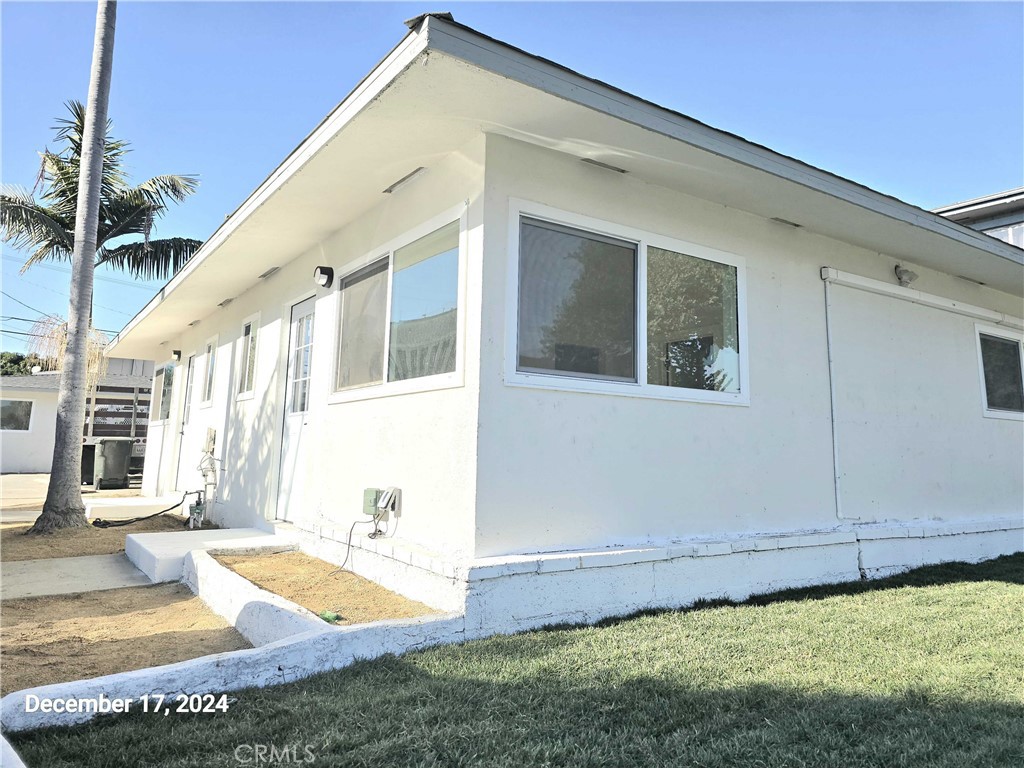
[
  {"x": 28, "y": 413},
  {"x": 1000, "y": 215},
  {"x": 613, "y": 358}
]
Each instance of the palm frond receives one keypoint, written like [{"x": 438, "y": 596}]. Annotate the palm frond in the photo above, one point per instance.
[
  {"x": 155, "y": 260},
  {"x": 25, "y": 224},
  {"x": 120, "y": 217},
  {"x": 161, "y": 190}
]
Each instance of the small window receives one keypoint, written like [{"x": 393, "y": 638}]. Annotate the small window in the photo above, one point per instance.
[
  {"x": 415, "y": 332},
  {"x": 1001, "y": 371},
  {"x": 162, "y": 385},
  {"x": 577, "y": 303},
  {"x": 248, "y": 358},
  {"x": 15, "y": 415},
  {"x": 211, "y": 363}
]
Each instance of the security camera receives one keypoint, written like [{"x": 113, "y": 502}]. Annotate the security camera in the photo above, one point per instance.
[{"x": 905, "y": 276}]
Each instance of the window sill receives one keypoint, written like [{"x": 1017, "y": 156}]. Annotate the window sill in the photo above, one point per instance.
[
  {"x": 392, "y": 389},
  {"x": 1004, "y": 415},
  {"x": 243, "y": 396},
  {"x": 624, "y": 389}
]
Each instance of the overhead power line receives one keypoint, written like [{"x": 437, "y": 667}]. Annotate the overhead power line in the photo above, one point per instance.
[
  {"x": 67, "y": 270},
  {"x": 26, "y": 306}
]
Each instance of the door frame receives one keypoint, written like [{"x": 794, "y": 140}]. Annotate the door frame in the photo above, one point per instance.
[{"x": 285, "y": 389}]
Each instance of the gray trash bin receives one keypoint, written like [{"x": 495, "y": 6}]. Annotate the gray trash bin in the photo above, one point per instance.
[{"x": 110, "y": 468}]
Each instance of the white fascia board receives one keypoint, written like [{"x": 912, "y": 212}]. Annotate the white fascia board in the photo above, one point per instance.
[
  {"x": 914, "y": 296},
  {"x": 506, "y": 61},
  {"x": 365, "y": 92}
]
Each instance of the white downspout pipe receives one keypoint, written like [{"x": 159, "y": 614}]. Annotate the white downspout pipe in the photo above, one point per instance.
[{"x": 837, "y": 480}]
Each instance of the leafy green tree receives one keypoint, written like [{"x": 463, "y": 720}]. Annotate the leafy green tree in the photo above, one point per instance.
[{"x": 18, "y": 363}]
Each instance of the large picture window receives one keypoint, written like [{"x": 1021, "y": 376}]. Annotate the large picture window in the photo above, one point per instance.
[
  {"x": 577, "y": 302},
  {"x": 627, "y": 314},
  {"x": 692, "y": 323},
  {"x": 402, "y": 310},
  {"x": 1002, "y": 374},
  {"x": 15, "y": 415}
]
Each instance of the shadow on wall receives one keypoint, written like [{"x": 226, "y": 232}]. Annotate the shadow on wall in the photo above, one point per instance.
[{"x": 250, "y": 429}]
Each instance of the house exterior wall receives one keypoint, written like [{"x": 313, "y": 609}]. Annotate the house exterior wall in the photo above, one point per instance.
[
  {"x": 422, "y": 442},
  {"x": 30, "y": 451},
  {"x": 569, "y": 470}
]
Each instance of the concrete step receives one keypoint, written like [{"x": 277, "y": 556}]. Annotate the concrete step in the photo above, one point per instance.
[
  {"x": 161, "y": 556},
  {"x": 120, "y": 508}
]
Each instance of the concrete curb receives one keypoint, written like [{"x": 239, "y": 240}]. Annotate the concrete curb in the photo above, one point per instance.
[
  {"x": 279, "y": 662},
  {"x": 260, "y": 616},
  {"x": 8, "y": 757}
]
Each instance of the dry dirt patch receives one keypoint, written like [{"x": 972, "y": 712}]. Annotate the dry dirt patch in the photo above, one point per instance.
[
  {"x": 73, "y": 637},
  {"x": 76, "y": 542},
  {"x": 320, "y": 586}
]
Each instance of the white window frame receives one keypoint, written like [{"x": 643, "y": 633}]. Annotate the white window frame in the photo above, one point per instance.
[
  {"x": 156, "y": 393},
  {"x": 210, "y": 344},
  {"x": 248, "y": 394},
  {"x": 387, "y": 250},
  {"x": 1003, "y": 333},
  {"x": 519, "y": 209},
  {"x": 31, "y": 415}
]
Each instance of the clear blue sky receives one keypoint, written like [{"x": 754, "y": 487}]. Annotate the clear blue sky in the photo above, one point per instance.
[{"x": 924, "y": 101}]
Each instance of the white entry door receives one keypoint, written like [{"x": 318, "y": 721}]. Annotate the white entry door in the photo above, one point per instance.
[{"x": 290, "y": 489}]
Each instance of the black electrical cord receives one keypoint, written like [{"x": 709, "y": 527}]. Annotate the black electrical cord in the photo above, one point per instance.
[
  {"x": 348, "y": 549},
  {"x": 100, "y": 523}
]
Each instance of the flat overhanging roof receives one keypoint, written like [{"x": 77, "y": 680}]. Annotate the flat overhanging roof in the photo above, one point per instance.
[{"x": 444, "y": 84}]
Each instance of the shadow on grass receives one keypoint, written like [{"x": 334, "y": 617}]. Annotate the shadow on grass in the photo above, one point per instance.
[{"x": 392, "y": 712}]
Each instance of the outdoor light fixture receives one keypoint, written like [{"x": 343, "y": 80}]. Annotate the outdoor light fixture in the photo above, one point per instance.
[
  {"x": 323, "y": 276},
  {"x": 905, "y": 276},
  {"x": 176, "y": 355}
]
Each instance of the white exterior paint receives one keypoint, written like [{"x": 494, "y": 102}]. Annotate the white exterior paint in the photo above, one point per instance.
[
  {"x": 564, "y": 470},
  {"x": 375, "y": 437},
  {"x": 32, "y": 450},
  {"x": 867, "y": 412}
]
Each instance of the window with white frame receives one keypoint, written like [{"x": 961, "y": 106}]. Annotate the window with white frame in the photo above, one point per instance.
[
  {"x": 1002, "y": 376},
  {"x": 162, "y": 386},
  {"x": 247, "y": 358},
  {"x": 15, "y": 415},
  {"x": 597, "y": 307},
  {"x": 398, "y": 316},
  {"x": 211, "y": 367}
]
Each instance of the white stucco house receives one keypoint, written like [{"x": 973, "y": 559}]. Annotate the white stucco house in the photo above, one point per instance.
[{"x": 612, "y": 357}]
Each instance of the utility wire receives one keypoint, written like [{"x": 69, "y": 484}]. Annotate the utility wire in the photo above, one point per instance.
[
  {"x": 132, "y": 284},
  {"x": 30, "y": 320},
  {"x": 26, "y": 306}
]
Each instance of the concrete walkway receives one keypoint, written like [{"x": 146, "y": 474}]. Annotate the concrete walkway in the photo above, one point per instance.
[
  {"x": 67, "y": 575},
  {"x": 22, "y": 496}
]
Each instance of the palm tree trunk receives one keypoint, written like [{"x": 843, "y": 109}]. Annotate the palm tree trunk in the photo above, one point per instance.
[{"x": 64, "y": 507}]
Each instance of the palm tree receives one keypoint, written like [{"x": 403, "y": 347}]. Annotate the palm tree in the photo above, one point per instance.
[{"x": 46, "y": 227}]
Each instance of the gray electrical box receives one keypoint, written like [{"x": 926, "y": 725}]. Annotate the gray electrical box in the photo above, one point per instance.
[{"x": 370, "y": 498}]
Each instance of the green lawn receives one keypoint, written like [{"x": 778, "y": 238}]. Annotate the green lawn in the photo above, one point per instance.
[{"x": 923, "y": 669}]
